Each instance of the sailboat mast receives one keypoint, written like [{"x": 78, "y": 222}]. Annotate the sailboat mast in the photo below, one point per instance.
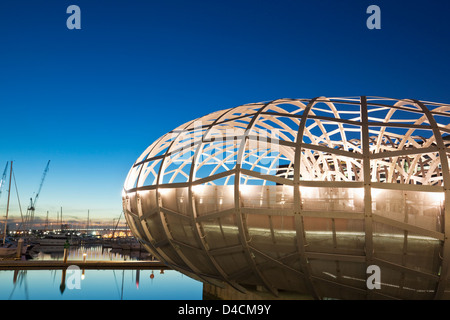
[{"x": 7, "y": 205}]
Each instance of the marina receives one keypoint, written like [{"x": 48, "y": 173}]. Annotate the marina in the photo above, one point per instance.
[
  {"x": 61, "y": 263},
  {"x": 105, "y": 274}
]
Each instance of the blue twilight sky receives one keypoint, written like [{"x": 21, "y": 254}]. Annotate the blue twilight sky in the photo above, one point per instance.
[{"x": 92, "y": 100}]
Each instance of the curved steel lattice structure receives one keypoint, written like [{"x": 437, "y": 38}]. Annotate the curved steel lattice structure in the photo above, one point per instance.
[{"x": 302, "y": 195}]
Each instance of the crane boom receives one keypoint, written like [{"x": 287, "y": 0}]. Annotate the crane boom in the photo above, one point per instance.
[
  {"x": 2, "y": 181},
  {"x": 40, "y": 185}
]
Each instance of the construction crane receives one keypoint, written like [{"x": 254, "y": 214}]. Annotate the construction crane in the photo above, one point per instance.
[
  {"x": 32, "y": 207},
  {"x": 2, "y": 181}
]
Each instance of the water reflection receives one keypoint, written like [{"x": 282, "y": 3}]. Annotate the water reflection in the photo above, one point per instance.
[
  {"x": 70, "y": 284},
  {"x": 98, "y": 285},
  {"x": 89, "y": 253}
]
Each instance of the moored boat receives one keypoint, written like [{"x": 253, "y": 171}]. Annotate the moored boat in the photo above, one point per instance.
[
  {"x": 7, "y": 252},
  {"x": 9, "y": 249},
  {"x": 56, "y": 240}
]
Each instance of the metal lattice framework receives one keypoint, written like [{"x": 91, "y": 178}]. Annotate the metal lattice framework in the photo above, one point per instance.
[{"x": 302, "y": 195}]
